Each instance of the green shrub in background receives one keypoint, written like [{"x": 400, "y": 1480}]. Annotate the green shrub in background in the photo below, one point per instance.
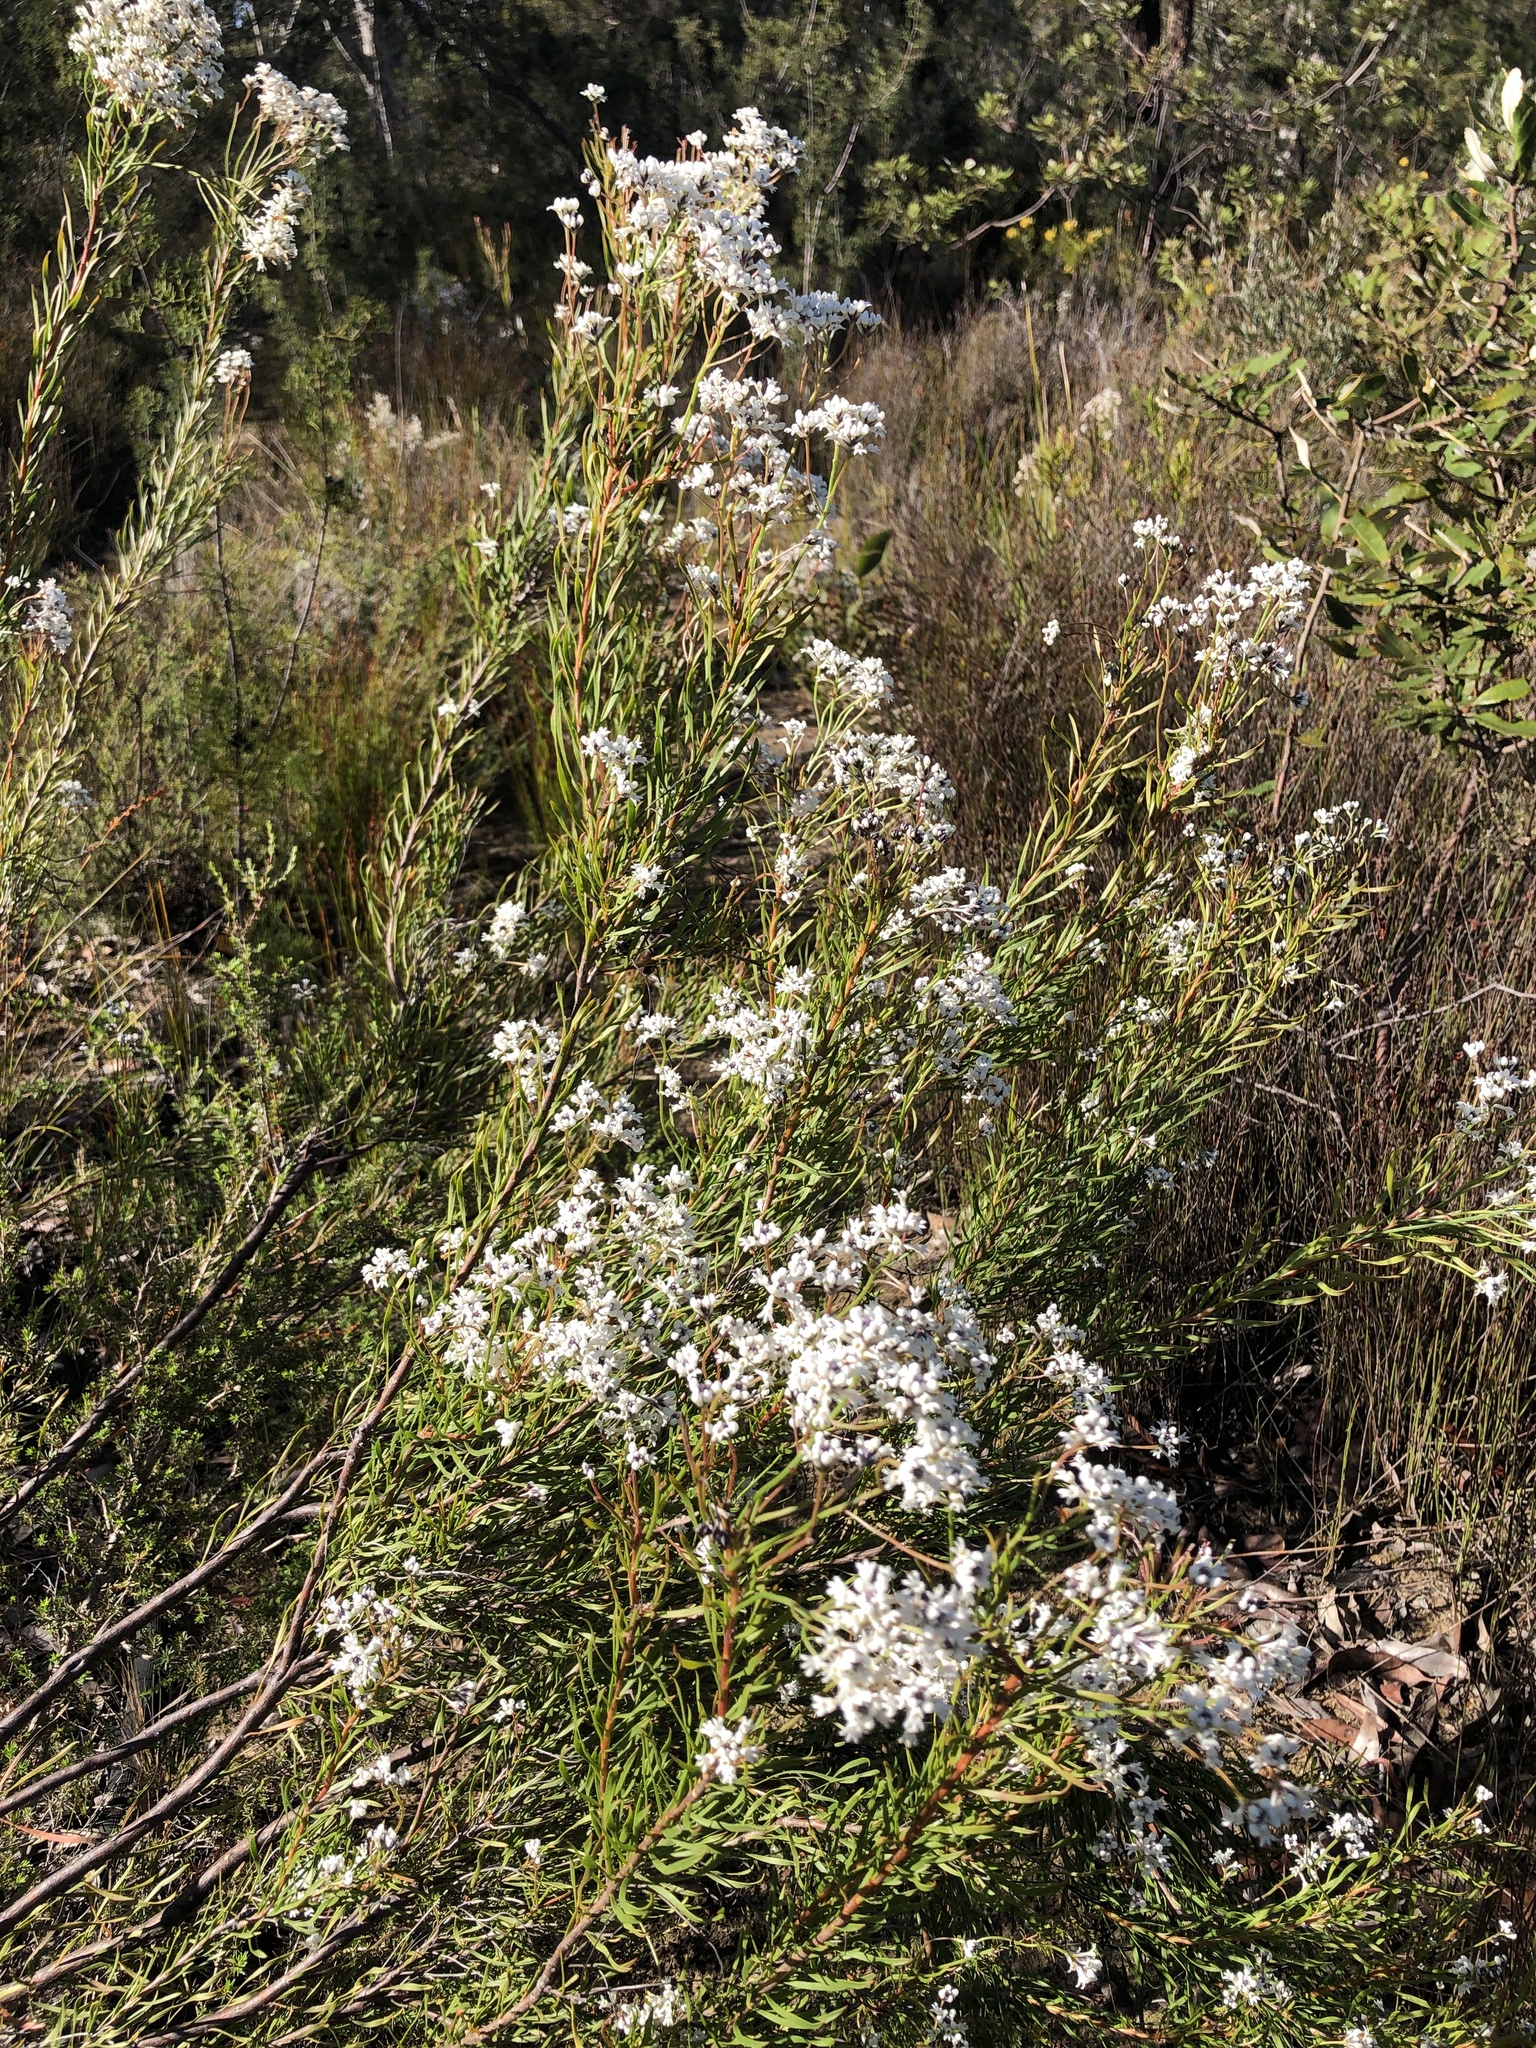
[
  {"x": 950, "y": 149},
  {"x": 696, "y": 1570}
]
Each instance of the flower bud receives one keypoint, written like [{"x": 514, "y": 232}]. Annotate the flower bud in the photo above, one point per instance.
[{"x": 1514, "y": 92}]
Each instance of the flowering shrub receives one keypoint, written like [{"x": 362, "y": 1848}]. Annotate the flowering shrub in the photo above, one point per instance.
[{"x": 733, "y": 1596}]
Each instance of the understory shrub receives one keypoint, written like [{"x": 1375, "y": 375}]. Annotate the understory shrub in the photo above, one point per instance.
[{"x": 571, "y": 1477}]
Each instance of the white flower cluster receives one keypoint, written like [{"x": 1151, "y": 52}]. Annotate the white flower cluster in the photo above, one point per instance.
[
  {"x": 768, "y": 1044},
  {"x": 574, "y": 1280},
  {"x": 713, "y": 203},
  {"x": 1278, "y": 591},
  {"x": 1100, "y": 416},
  {"x": 905, "y": 796},
  {"x": 895, "y": 1654},
  {"x": 618, "y": 758},
  {"x": 871, "y": 1363},
  {"x": 1496, "y": 1085},
  {"x": 948, "y": 2030},
  {"x": 612, "y": 1121},
  {"x": 382, "y": 1771},
  {"x": 1254, "y": 1984},
  {"x": 854, "y": 427},
  {"x": 233, "y": 367},
  {"x": 663, "y": 2010},
  {"x": 1340, "y": 829},
  {"x": 727, "y": 1752},
  {"x": 503, "y": 935},
  {"x": 385, "y": 1269},
  {"x": 1119, "y": 1503},
  {"x": 866, "y": 682},
  {"x": 312, "y": 121},
  {"x": 1154, "y": 532},
  {"x": 341, "y": 1873},
  {"x": 371, "y": 1637},
  {"x": 1117, "y": 1500},
  {"x": 404, "y": 430},
  {"x": 155, "y": 58},
  {"x": 1129, "y": 1643},
  {"x": 1087, "y": 1966},
  {"x": 737, "y": 423},
  {"x": 49, "y": 616},
  {"x": 528, "y": 1048},
  {"x": 269, "y": 236},
  {"x": 955, "y": 904},
  {"x": 1191, "y": 743}
]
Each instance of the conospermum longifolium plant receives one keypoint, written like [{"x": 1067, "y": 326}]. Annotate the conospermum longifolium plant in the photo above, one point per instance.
[
  {"x": 744, "y": 1607},
  {"x": 148, "y": 66}
]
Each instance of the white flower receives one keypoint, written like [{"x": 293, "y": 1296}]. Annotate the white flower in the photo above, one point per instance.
[
  {"x": 505, "y": 929},
  {"x": 957, "y": 905},
  {"x": 727, "y": 1752},
  {"x": 1086, "y": 1965},
  {"x": 155, "y": 58},
  {"x": 1253, "y": 1984},
  {"x": 1359, "y": 2037},
  {"x": 533, "y": 1851},
  {"x": 856, "y": 428},
  {"x": 371, "y": 1638},
  {"x": 1274, "y": 1752},
  {"x": 382, "y": 1771},
  {"x": 50, "y": 616},
  {"x": 867, "y": 682},
  {"x": 1155, "y": 531},
  {"x": 618, "y": 1120},
  {"x": 877, "y": 1364},
  {"x": 269, "y": 237},
  {"x": 1100, "y": 416},
  {"x": 1117, "y": 1501},
  {"x": 948, "y": 2027},
  {"x": 233, "y": 366},
  {"x": 385, "y": 1268},
  {"x": 1352, "y": 1833},
  {"x": 618, "y": 758},
  {"x": 595, "y": 93},
  {"x": 313, "y": 121},
  {"x": 895, "y": 1653},
  {"x": 1490, "y": 1286},
  {"x": 1510, "y": 97},
  {"x": 529, "y": 1049},
  {"x": 568, "y": 213},
  {"x": 1050, "y": 632},
  {"x": 1480, "y": 166},
  {"x": 768, "y": 1045},
  {"x": 663, "y": 2010}
]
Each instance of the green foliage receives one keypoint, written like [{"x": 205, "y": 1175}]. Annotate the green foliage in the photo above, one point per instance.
[
  {"x": 464, "y": 1603},
  {"x": 1419, "y": 461}
]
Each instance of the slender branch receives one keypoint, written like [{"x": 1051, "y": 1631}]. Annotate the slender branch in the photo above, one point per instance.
[
  {"x": 314, "y": 1960},
  {"x": 309, "y": 1158},
  {"x": 145, "y": 1738},
  {"x": 280, "y": 1678},
  {"x": 583, "y": 1926}
]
